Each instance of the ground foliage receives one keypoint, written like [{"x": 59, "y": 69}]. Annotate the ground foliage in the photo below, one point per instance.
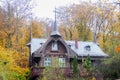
[{"x": 111, "y": 69}]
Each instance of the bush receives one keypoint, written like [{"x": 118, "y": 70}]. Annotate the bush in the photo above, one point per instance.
[{"x": 111, "y": 67}]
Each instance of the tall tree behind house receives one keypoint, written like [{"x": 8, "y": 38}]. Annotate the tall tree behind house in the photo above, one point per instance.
[{"x": 15, "y": 14}]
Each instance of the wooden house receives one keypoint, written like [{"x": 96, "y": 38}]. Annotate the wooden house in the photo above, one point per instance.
[{"x": 44, "y": 51}]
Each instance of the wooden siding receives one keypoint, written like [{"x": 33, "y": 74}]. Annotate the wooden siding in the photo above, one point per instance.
[
  {"x": 61, "y": 48},
  {"x": 41, "y": 63}
]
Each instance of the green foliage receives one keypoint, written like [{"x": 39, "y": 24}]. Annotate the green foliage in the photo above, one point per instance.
[
  {"x": 111, "y": 67},
  {"x": 83, "y": 32},
  {"x": 87, "y": 63},
  {"x": 75, "y": 66},
  {"x": 52, "y": 73}
]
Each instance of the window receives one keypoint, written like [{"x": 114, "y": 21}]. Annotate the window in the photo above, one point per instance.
[
  {"x": 62, "y": 62},
  {"x": 41, "y": 44},
  {"x": 47, "y": 61},
  {"x": 87, "y": 48},
  {"x": 54, "y": 46},
  {"x": 69, "y": 45}
]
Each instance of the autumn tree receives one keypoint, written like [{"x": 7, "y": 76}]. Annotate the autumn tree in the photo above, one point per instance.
[
  {"x": 9, "y": 65},
  {"x": 93, "y": 22},
  {"x": 67, "y": 25},
  {"x": 6, "y": 26},
  {"x": 14, "y": 14},
  {"x": 76, "y": 19},
  {"x": 48, "y": 25}
]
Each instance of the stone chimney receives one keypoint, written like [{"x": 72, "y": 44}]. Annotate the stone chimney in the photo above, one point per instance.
[{"x": 76, "y": 43}]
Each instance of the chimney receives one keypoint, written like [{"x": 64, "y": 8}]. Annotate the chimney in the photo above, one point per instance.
[{"x": 76, "y": 43}]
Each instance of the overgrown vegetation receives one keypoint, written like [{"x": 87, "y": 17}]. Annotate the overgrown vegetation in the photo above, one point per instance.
[
  {"x": 83, "y": 21},
  {"x": 111, "y": 69}
]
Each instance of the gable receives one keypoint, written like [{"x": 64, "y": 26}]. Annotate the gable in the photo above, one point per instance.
[{"x": 55, "y": 46}]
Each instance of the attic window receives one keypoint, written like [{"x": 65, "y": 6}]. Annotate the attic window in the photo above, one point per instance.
[
  {"x": 87, "y": 48},
  {"x": 54, "y": 46}
]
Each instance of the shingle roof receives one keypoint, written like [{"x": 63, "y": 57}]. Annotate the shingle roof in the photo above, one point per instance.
[
  {"x": 81, "y": 51},
  {"x": 95, "y": 50}
]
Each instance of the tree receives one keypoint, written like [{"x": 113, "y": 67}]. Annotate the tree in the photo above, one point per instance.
[
  {"x": 15, "y": 12},
  {"x": 37, "y": 29},
  {"x": 65, "y": 20},
  {"x": 99, "y": 20},
  {"x": 87, "y": 63},
  {"x": 9, "y": 65},
  {"x": 48, "y": 26},
  {"x": 76, "y": 18},
  {"x": 75, "y": 67},
  {"x": 6, "y": 28}
]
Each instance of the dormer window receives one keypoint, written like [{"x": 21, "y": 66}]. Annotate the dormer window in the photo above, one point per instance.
[
  {"x": 54, "y": 46},
  {"x": 87, "y": 48},
  {"x": 41, "y": 44},
  {"x": 69, "y": 45}
]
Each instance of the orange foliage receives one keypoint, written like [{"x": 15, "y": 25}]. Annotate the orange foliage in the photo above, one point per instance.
[{"x": 117, "y": 49}]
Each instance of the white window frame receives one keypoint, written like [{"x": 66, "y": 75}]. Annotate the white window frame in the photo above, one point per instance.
[
  {"x": 47, "y": 61},
  {"x": 87, "y": 48},
  {"x": 54, "y": 46},
  {"x": 62, "y": 62}
]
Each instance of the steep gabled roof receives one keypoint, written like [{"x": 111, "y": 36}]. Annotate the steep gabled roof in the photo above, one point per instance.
[
  {"x": 41, "y": 50},
  {"x": 94, "y": 52}
]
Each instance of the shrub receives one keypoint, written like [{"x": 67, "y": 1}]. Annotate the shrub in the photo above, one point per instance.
[{"x": 111, "y": 67}]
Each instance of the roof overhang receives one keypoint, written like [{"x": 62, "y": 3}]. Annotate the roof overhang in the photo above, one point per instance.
[{"x": 93, "y": 57}]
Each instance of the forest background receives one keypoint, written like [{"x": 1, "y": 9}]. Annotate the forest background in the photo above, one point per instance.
[{"x": 98, "y": 22}]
